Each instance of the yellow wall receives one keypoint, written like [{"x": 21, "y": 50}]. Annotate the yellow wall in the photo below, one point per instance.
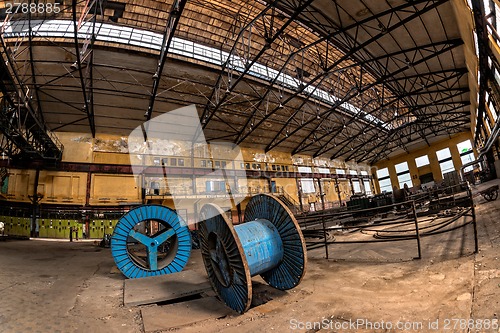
[
  {"x": 289, "y": 186},
  {"x": 431, "y": 153},
  {"x": 54, "y": 186},
  {"x": 109, "y": 189},
  {"x": 113, "y": 189}
]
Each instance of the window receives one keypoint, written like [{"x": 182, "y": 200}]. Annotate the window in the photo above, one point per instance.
[
  {"x": 356, "y": 186},
  {"x": 466, "y": 154},
  {"x": 307, "y": 185},
  {"x": 173, "y": 161},
  {"x": 404, "y": 177},
  {"x": 215, "y": 185},
  {"x": 203, "y": 163},
  {"x": 305, "y": 169},
  {"x": 217, "y": 164},
  {"x": 384, "y": 180},
  {"x": 156, "y": 160},
  {"x": 340, "y": 171},
  {"x": 180, "y": 162},
  {"x": 324, "y": 170},
  {"x": 422, "y": 161},
  {"x": 368, "y": 188},
  {"x": 223, "y": 164},
  {"x": 353, "y": 172},
  {"x": 445, "y": 161}
]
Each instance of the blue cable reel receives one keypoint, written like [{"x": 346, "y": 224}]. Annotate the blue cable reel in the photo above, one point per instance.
[
  {"x": 269, "y": 243},
  {"x": 138, "y": 253}
]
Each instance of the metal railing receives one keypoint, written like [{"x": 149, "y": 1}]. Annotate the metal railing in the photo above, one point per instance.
[{"x": 407, "y": 225}]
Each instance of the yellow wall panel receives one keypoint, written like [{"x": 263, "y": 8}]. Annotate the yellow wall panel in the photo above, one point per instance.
[{"x": 111, "y": 189}]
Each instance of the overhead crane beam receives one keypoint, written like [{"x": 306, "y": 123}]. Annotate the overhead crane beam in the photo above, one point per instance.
[{"x": 25, "y": 135}]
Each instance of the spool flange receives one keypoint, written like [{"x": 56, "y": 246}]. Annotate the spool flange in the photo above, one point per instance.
[
  {"x": 269, "y": 243},
  {"x": 138, "y": 254}
]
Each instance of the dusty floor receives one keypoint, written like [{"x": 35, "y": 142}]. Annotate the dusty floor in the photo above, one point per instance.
[{"x": 72, "y": 287}]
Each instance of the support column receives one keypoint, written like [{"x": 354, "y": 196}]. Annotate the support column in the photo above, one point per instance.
[
  {"x": 299, "y": 191},
  {"x": 338, "y": 191},
  {"x": 87, "y": 189},
  {"x": 35, "y": 199},
  {"x": 238, "y": 209},
  {"x": 321, "y": 194}
]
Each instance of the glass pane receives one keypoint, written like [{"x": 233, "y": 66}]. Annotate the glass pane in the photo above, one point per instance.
[
  {"x": 304, "y": 169},
  {"x": 324, "y": 170},
  {"x": 356, "y": 186},
  {"x": 405, "y": 179},
  {"x": 307, "y": 185},
  {"x": 368, "y": 189},
  {"x": 401, "y": 167},
  {"x": 446, "y": 167},
  {"x": 443, "y": 154},
  {"x": 422, "y": 160},
  {"x": 464, "y": 147},
  {"x": 382, "y": 173},
  {"x": 466, "y": 159},
  {"x": 385, "y": 185},
  {"x": 340, "y": 171}
]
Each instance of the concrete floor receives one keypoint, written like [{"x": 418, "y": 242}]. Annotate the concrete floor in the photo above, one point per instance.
[{"x": 48, "y": 286}]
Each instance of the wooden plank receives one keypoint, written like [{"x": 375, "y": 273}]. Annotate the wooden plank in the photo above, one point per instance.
[
  {"x": 160, "y": 318},
  {"x": 163, "y": 288}
]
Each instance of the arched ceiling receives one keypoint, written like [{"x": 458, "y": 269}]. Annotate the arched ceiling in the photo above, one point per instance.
[{"x": 360, "y": 80}]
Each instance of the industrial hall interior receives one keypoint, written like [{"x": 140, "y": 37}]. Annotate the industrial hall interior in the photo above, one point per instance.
[{"x": 243, "y": 166}]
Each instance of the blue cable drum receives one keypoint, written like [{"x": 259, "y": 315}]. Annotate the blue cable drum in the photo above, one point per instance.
[
  {"x": 269, "y": 243},
  {"x": 137, "y": 254},
  {"x": 292, "y": 268}
]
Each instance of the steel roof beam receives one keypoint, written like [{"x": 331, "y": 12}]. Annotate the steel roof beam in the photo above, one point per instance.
[
  {"x": 172, "y": 22},
  {"x": 397, "y": 99},
  {"x": 450, "y": 130},
  {"x": 326, "y": 69},
  {"x": 380, "y": 80},
  {"x": 19, "y": 122},
  {"x": 388, "y": 138},
  {"x": 277, "y": 140},
  {"x": 216, "y": 99},
  {"x": 86, "y": 54},
  {"x": 404, "y": 126}
]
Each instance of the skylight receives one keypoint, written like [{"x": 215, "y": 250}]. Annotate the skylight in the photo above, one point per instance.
[{"x": 151, "y": 40}]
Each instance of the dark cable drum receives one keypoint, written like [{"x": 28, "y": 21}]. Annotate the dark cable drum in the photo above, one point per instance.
[
  {"x": 138, "y": 254},
  {"x": 269, "y": 243}
]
